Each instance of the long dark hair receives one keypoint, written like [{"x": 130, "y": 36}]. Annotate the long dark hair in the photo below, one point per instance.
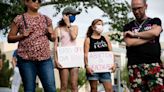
[
  {"x": 90, "y": 29},
  {"x": 61, "y": 23}
]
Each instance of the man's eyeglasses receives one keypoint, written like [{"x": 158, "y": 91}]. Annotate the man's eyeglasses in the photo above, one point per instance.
[
  {"x": 137, "y": 8},
  {"x": 39, "y": 1}
]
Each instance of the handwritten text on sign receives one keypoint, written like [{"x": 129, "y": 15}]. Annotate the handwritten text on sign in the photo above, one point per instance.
[
  {"x": 70, "y": 56},
  {"x": 100, "y": 61}
]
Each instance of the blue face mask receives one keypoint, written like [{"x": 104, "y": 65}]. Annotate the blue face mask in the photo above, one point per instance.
[{"x": 72, "y": 18}]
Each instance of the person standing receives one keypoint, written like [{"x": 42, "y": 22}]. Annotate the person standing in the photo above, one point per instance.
[
  {"x": 33, "y": 31},
  {"x": 67, "y": 34},
  {"x": 16, "y": 77},
  {"x": 143, "y": 50},
  {"x": 95, "y": 42}
]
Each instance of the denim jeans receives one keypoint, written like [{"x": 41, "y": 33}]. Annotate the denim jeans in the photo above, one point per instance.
[
  {"x": 43, "y": 69},
  {"x": 102, "y": 77}
]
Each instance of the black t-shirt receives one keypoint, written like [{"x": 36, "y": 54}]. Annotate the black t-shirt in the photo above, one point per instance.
[
  {"x": 98, "y": 44},
  {"x": 149, "y": 52}
]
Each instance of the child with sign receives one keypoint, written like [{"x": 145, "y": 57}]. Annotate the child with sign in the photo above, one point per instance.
[
  {"x": 67, "y": 33},
  {"x": 95, "y": 42}
]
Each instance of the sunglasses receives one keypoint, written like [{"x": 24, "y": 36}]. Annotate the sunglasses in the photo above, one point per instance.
[{"x": 39, "y": 1}]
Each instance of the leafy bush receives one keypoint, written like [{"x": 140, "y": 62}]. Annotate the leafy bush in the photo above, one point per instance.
[{"x": 5, "y": 72}]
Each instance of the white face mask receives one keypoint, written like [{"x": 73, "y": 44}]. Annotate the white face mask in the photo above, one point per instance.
[{"x": 99, "y": 28}]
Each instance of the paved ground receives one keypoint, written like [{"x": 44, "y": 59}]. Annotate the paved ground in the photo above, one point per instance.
[{"x": 3, "y": 89}]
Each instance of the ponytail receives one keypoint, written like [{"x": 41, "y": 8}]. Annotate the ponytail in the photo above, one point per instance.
[
  {"x": 61, "y": 23},
  {"x": 90, "y": 31}
]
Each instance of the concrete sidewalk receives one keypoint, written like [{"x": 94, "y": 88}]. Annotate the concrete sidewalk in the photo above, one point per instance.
[{"x": 4, "y": 89}]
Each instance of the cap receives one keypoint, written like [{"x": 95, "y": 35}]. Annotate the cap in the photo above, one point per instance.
[{"x": 70, "y": 10}]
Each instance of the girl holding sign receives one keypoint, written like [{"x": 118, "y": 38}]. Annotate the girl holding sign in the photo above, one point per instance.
[
  {"x": 67, "y": 34},
  {"x": 96, "y": 42}
]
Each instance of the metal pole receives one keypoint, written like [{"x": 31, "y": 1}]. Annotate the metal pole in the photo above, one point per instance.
[
  {"x": 118, "y": 76},
  {"x": 119, "y": 79}
]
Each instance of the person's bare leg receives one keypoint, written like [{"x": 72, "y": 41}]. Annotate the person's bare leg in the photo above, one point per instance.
[
  {"x": 74, "y": 79},
  {"x": 108, "y": 86},
  {"x": 93, "y": 84},
  {"x": 64, "y": 73}
]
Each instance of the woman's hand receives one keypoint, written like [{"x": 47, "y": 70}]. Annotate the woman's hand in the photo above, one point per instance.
[
  {"x": 66, "y": 20},
  {"x": 53, "y": 35},
  {"x": 58, "y": 65},
  {"x": 89, "y": 70},
  {"x": 26, "y": 33},
  {"x": 113, "y": 68}
]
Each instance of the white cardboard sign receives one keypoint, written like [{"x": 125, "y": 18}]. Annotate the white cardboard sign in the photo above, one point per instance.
[
  {"x": 100, "y": 61},
  {"x": 72, "y": 56}
]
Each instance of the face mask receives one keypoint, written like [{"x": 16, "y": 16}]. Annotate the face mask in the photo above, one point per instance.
[
  {"x": 72, "y": 18},
  {"x": 99, "y": 28}
]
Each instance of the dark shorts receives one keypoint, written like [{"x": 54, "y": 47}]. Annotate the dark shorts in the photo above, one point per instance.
[{"x": 146, "y": 77}]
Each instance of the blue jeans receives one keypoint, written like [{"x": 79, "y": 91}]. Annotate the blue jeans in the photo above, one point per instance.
[{"x": 30, "y": 69}]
